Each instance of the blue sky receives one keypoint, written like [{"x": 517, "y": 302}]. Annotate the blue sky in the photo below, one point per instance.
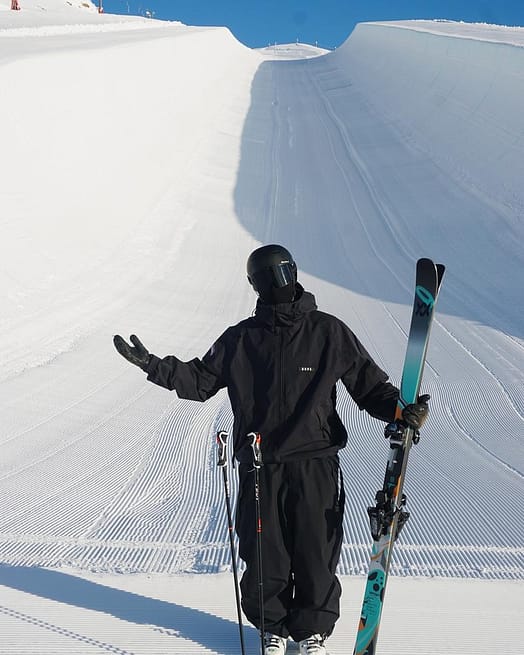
[{"x": 328, "y": 22}]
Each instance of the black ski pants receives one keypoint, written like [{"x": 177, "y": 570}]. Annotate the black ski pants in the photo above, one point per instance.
[{"x": 302, "y": 505}]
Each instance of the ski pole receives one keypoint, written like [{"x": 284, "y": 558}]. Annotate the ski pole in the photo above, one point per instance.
[
  {"x": 222, "y": 463},
  {"x": 257, "y": 463}
]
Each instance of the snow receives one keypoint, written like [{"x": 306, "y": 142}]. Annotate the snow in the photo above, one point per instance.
[
  {"x": 140, "y": 162},
  {"x": 508, "y": 35},
  {"x": 292, "y": 51},
  {"x": 52, "y": 17}
]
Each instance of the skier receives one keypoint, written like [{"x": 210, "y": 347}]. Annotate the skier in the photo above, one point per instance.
[{"x": 280, "y": 368}]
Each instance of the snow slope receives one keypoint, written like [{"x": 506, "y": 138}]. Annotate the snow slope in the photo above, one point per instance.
[{"x": 141, "y": 162}]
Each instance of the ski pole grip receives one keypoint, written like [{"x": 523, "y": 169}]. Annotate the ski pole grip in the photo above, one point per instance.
[
  {"x": 256, "y": 441},
  {"x": 221, "y": 447}
]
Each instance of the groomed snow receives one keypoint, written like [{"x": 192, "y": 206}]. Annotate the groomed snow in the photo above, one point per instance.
[{"x": 140, "y": 162}]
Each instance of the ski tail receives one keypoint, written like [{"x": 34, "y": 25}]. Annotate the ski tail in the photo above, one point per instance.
[{"x": 426, "y": 294}]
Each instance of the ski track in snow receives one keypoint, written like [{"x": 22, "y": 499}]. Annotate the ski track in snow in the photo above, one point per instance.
[
  {"x": 103, "y": 472},
  {"x": 63, "y": 632}
]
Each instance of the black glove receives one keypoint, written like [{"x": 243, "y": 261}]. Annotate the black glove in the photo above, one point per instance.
[
  {"x": 414, "y": 415},
  {"x": 139, "y": 355}
]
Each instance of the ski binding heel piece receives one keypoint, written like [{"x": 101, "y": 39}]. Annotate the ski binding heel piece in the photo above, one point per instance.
[{"x": 381, "y": 516}]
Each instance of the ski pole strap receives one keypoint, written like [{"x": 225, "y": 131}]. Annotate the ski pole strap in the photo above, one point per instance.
[
  {"x": 256, "y": 441},
  {"x": 222, "y": 447}
]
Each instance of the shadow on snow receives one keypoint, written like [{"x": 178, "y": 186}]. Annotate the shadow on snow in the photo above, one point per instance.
[{"x": 210, "y": 631}]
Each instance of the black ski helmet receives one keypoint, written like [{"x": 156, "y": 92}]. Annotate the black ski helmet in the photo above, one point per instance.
[{"x": 272, "y": 273}]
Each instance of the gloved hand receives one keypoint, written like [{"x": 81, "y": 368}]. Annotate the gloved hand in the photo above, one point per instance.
[
  {"x": 139, "y": 355},
  {"x": 415, "y": 414}
]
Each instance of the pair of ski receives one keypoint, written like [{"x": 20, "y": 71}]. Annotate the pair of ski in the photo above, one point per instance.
[{"x": 388, "y": 516}]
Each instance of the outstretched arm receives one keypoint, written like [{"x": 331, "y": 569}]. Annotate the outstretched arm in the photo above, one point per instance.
[{"x": 198, "y": 379}]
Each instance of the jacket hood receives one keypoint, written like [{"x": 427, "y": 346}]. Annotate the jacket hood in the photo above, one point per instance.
[{"x": 286, "y": 314}]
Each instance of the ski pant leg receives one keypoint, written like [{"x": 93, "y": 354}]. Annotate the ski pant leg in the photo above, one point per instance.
[
  {"x": 317, "y": 498},
  {"x": 276, "y": 559}
]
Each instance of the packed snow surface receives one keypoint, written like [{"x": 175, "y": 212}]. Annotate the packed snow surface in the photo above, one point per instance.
[{"x": 140, "y": 163}]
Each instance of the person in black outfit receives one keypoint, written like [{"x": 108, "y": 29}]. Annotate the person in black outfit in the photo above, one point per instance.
[{"x": 280, "y": 368}]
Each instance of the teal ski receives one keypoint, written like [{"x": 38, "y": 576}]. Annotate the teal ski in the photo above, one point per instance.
[{"x": 388, "y": 516}]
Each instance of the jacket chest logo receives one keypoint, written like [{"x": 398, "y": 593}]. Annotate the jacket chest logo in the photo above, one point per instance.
[{"x": 306, "y": 369}]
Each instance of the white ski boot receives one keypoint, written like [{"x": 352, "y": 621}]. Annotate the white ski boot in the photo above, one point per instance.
[
  {"x": 313, "y": 645},
  {"x": 274, "y": 644}
]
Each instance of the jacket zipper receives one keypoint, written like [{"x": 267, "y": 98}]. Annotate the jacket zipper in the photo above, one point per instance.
[
  {"x": 280, "y": 332},
  {"x": 281, "y": 394}
]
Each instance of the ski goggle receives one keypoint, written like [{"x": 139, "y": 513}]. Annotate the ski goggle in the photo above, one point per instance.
[{"x": 276, "y": 276}]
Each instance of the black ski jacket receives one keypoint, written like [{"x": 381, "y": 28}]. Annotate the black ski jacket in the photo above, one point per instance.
[{"x": 280, "y": 368}]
